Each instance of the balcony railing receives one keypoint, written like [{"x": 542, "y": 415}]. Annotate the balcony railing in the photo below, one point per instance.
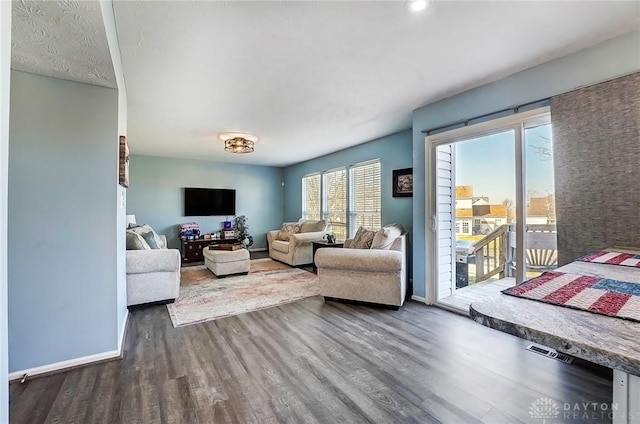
[
  {"x": 491, "y": 254},
  {"x": 495, "y": 253}
]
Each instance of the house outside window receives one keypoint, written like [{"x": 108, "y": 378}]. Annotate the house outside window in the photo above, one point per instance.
[{"x": 465, "y": 227}]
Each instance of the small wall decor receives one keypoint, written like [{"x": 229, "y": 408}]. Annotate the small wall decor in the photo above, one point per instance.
[
  {"x": 123, "y": 169},
  {"x": 403, "y": 182}
]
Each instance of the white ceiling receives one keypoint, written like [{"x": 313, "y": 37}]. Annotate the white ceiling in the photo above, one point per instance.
[
  {"x": 308, "y": 77},
  {"x": 61, "y": 39}
]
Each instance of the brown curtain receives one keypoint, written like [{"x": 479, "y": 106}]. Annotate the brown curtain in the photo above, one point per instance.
[{"x": 596, "y": 137}]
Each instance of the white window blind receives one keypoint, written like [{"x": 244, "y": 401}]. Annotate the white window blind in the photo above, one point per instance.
[
  {"x": 364, "y": 196},
  {"x": 311, "y": 208},
  {"x": 346, "y": 200},
  {"x": 334, "y": 203}
]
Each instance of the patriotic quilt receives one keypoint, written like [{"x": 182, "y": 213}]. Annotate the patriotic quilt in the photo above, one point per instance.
[
  {"x": 613, "y": 258},
  {"x": 588, "y": 293}
]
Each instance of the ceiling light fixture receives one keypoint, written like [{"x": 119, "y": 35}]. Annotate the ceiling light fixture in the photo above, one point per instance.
[
  {"x": 418, "y": 5},
  {"x": 238, "y": 143}
]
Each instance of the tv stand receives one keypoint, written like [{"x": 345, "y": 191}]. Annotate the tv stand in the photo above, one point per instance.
[{"x": 192, "y": 249}]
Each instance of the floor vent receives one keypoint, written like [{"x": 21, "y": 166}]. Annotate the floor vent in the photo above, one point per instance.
[{"x": 550, "y": 353}]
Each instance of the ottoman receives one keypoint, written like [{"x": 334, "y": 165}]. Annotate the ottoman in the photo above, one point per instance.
[{"x": 226, "y": 262}]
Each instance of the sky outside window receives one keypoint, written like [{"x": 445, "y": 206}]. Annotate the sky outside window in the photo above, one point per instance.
[{"x": 487, "y": 163}]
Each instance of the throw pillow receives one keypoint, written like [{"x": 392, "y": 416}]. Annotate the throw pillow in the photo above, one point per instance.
[
  {"x": 151, "y": 241},
  {"x": 362, "y": 239},
  {"x": 158, "y": 239},
  {"x": 386, "y": 235},
  {"x": 287, "y": 230},
  {"x": 136, "y": 241},
  {"x": 144, "y": 229}
]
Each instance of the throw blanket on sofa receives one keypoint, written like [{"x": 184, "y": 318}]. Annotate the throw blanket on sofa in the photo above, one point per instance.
[{"x": 588, "y": 293}]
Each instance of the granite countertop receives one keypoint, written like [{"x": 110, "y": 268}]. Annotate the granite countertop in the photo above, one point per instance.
[{"x": 608, "y": 341}]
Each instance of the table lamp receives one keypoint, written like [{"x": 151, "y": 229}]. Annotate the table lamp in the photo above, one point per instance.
[{"x": 131, "y": 219}]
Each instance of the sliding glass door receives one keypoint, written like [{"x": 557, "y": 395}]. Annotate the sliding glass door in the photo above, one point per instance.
[{"x": 491, "y": 204}]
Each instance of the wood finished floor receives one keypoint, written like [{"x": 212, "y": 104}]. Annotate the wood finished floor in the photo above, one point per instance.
[{"x": 310, "y": 362}]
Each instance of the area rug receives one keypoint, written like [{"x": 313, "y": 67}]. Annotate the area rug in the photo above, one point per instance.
[
  {"x": 613, "y": 258},
  {"x": 604, "y": 296},
  {"x": 203, "y": 297}
]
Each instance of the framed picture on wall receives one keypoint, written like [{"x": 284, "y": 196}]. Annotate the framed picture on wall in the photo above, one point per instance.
[
  {"x": 403, "y": 182},
  {"x": 123, "y": 169}
]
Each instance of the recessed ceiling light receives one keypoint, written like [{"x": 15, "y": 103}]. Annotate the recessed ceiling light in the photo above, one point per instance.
[{"x": 418, "y": 5}]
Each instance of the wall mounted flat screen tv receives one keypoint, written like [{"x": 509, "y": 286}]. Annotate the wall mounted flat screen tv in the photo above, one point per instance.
[{"x": 209, "y": 202}]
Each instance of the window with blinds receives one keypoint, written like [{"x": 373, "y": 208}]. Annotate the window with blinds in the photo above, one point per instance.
[
  {"x": 334, "y": 184},
  {"x": 364, "y": 196},
  {"x": 311, "y": 207},
  {"x": 346, "y": 198}
]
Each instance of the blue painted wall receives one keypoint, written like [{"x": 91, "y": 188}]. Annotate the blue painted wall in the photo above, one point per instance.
[
  {"x": 63, "y": 177},
  {"x": 611, "y": 59},
  {"x": 156, "y": 185}
]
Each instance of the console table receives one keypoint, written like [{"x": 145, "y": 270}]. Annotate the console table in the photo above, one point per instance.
[{"x": 192, "y": 249}]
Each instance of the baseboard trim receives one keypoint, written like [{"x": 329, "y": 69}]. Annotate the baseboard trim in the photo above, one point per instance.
[
  {"x": 419, "y": 298},
  {"x": 67, "y": 365},
  {"x": 123, "y": 333},
  {"x": 258, "y": 249}
]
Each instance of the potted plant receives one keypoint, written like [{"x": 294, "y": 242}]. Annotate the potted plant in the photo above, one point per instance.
[{"x": 241, "y": 228}]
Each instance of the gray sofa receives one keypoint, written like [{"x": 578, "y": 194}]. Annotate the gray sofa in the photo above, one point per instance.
[
  {"x": 366, "y": 275},
  {"x": 153, "y": 276}
]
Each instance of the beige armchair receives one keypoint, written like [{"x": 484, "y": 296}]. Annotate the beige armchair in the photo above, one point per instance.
[
  {"x": 365, "y": 275},
  {"x": 298, "y": 250}
]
